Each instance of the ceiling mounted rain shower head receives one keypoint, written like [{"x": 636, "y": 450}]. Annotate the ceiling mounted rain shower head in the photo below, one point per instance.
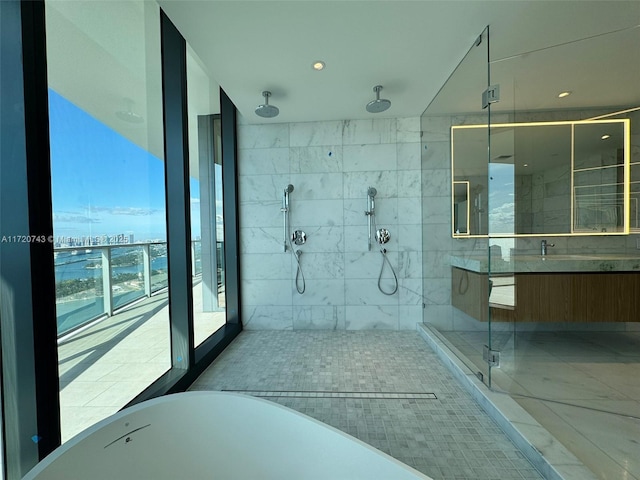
[
  {"x": 265, "y": 110},
  {"x": 379, "y": 104}
]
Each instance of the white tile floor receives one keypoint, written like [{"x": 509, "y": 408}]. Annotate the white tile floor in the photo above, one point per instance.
[
  {"x": 583, "y": 387},
  {"x": 105, "y": 366}
]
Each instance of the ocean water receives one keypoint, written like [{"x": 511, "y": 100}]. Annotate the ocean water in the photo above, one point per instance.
[{"x": 70, "y": 267}]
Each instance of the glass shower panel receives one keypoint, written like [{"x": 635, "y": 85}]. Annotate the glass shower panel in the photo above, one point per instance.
[
  {"x": 564, "y": 247},
  {"x": 454, "y": 209}
]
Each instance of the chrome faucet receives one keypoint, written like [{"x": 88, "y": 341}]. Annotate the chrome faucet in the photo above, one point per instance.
[{"x": 544, "y": 245}]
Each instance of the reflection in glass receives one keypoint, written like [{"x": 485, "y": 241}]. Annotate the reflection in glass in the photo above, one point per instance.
[{"x": 544, "y": 178}]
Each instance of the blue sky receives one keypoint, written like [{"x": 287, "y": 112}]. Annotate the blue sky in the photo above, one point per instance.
[{"x": 103, "y": 183}]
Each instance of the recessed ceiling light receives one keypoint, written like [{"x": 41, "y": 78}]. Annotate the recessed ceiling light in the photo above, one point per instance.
[
  {"x": 319, "y": 65},
  {"x": 564, "y": 94},
  {"x": 525, "y": 164},
  {"x": 605, "y": 136}
]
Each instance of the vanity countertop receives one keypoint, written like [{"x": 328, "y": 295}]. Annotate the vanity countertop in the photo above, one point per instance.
[{"x": 589, "y": 262}]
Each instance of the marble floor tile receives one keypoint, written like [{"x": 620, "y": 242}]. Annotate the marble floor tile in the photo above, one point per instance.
[
  {"x": 584, "y": 389},
  {"x": 444, "y": 437}
]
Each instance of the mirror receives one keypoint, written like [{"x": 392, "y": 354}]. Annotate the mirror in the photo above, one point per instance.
[{"x": 546, "y": 178}]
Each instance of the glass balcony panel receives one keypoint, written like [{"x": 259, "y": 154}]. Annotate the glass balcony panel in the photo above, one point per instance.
[
  {"x": 79, "y": 293},
  {"x": 127, "y": 275},
  {"x": 159, "y": 266}
]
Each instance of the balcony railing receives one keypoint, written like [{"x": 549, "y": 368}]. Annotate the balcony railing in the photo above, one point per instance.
[{"x": 94, "y": 281}]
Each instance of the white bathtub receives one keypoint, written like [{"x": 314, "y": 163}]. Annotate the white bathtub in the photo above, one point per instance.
[{"x": 216, "y": 435}]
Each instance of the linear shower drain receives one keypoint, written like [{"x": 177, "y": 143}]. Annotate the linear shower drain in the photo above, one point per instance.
[{"x": 320, "y": 394}]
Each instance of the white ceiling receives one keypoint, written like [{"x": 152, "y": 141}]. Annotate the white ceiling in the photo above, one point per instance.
[{"x": 409, "y": 47}]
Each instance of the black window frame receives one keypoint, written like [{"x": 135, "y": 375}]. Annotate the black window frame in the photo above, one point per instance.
[{"x": 29, "y": 362}]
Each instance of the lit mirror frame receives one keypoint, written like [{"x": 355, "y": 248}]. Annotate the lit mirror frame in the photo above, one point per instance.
[{"x": 571, "y": 230}]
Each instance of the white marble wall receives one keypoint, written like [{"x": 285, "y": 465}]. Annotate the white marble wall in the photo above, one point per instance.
[{"x": 331, "y": 165}]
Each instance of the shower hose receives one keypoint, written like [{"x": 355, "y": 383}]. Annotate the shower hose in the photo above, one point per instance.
[
  {"x": 385, "y": 259},
  {"x": 300, "y": 287},
  {"x": 299, "y": 274}
]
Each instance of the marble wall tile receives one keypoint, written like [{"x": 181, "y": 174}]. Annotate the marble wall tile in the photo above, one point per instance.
[
  {"x": 435, "y": 129},
  {"x": 409, "y": 237},
  {"x": 386, "y": 214},
  {"x": 356, "y": 240},
  {"x": 436, "y": 209},
  {"x": 321, "y": 292},
  {"x": 316, "y": 186},
  {"x": 261, "y": 188},
  {"x": 408, "y": 156},
  {"x": 409, "y": 264},
  {"x": 356, "y": 184},
  {"x": 436, "y": 155},
  {"x": 366, "y": 292},
  {"x": 410, "y": 291},
  {"x": 322, "y": 159},
  {"x": 408, "y": 129},
  {"x": 265, "y": 317},
  {"x": 369, "y": 131},
  {"x": 318, "y": 317},
  {"x": 260, "y": 214},
  {"x": 309, "y": 134},
  {"x": 331, "y": 165},
  {"x": 354, "y": 209},
  {"x": 266, "y": 292},
  {"x": 263, "y": 136},
  {"x": 266, "y": 266},
  {"x": 363, "y": 158},
  {"x": 261, "y": 161},
  {"x": 364, "y": 317},
  {"x": 409, "y": 183},
  {"x": 261, "y": 240},
  {"x": 319, "y": 265},
  {"x": 321, "y": 239},
  {"x": 327, "y": 213},
  {"x": 364, "y": 265},
  {"x": 409, "y": 316},
  {"x": 410, "y": 211},
  {"x": 437, "y": 183}
]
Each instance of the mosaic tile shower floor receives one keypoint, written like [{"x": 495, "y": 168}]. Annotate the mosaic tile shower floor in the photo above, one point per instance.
[{"x": 333, "y": 377}]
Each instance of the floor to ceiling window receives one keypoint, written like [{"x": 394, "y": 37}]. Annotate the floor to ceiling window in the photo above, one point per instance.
[
  {"x": 105, "y": 104},
  {"x": 94, "y": 215},
  {"x": 206, "y": 206}
]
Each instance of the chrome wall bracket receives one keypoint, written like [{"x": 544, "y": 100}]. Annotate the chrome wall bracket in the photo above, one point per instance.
[{"x": 492, "y": 357}]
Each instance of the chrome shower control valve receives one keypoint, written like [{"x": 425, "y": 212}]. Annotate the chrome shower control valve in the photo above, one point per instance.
[
  {"x": 299, "y": 237},
  {"x": 383, "y": 236}
]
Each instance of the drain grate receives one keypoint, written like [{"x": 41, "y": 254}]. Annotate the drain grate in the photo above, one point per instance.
[{"x": 324, "y": 394}]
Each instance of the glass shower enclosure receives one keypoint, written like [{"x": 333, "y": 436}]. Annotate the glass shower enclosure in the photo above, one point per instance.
[{"x": 539, "y": 246}]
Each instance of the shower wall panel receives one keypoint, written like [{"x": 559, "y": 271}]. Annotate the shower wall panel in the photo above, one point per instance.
[{"x": 331, "y": 165}]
